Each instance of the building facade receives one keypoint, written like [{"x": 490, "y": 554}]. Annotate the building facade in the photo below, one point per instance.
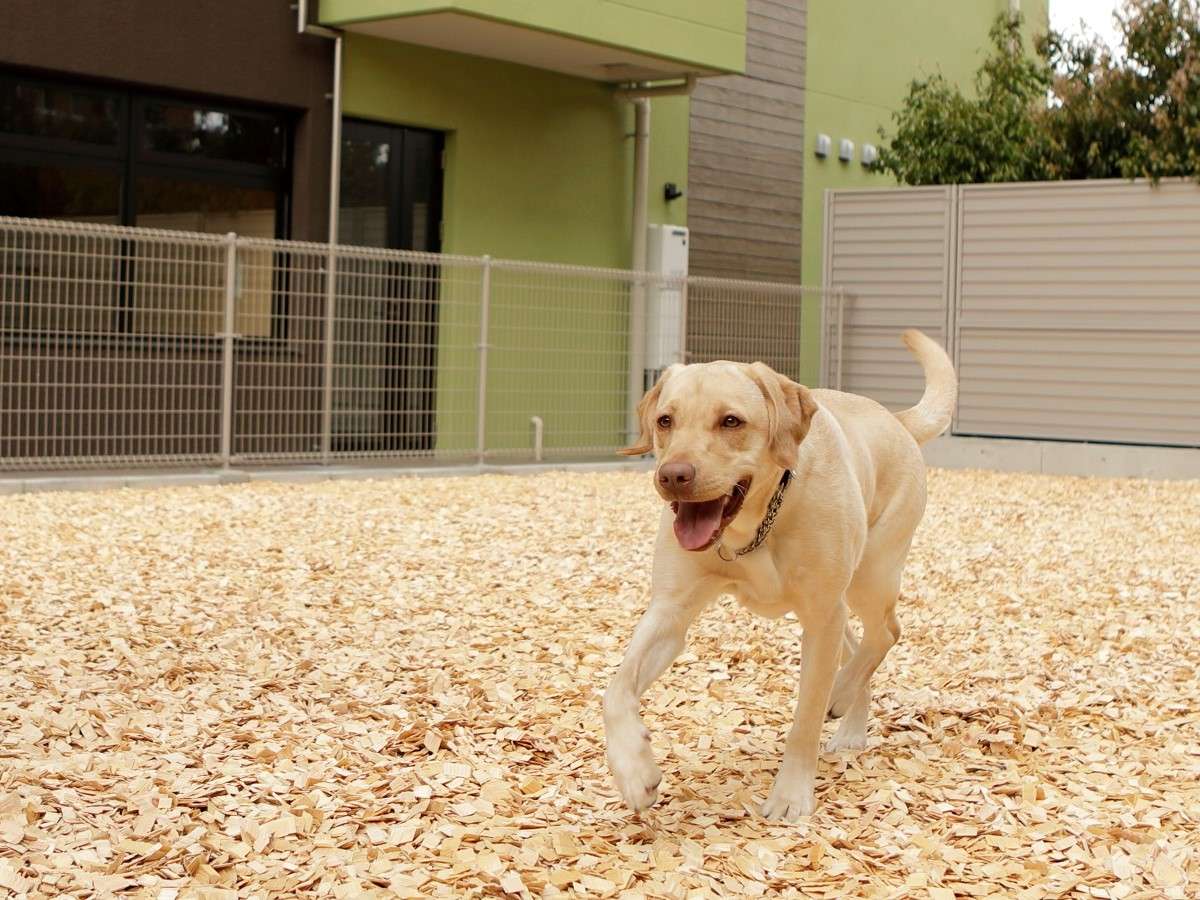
[
  {"x": 165, "y": 115},
  {"x": 463, "y": 127},
  {"x": 839, "y": 68},
  {"x": 481, "y": 127}
]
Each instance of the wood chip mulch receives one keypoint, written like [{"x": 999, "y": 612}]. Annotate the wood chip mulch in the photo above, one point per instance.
[{"x": 392, "y": 688}]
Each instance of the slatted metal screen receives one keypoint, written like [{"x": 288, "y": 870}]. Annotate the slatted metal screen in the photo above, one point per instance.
[
  {"x": 890, "y": 259},
  {"x": 1078, "y": 311},
  {"x": 1072, "y": 309}
]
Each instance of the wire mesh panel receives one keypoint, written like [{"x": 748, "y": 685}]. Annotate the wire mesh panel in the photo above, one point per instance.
[
  {"x": 745, "y": 321},
  {"x": 109, "y": 347},
  {"x": 405, "y": 356},
  {"x": 559, "y": 338},
  {"x": 278, "y": 371},
  {"x": 834, "y": 306},
  {"x": 385, "y": 366},
  {"x": 123, "y": 346}
]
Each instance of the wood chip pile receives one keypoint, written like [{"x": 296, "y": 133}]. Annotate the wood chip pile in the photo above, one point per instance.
[{"x": 393, "y": 688}]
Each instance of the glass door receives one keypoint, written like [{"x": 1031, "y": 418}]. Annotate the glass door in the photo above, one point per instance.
[{"x": 386, "y": 335}]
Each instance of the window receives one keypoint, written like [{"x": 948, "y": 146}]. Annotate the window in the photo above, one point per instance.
[{"x": 113, "y": 156}]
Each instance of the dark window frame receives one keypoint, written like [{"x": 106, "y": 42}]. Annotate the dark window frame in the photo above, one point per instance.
[{"x": 129, "y": 160}]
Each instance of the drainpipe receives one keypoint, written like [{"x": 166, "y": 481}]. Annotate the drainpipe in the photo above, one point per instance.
[
  {"x": 640, "y": 96},
  {"x": 335, "y": 170},
  {"x": 303, "y": 26}
]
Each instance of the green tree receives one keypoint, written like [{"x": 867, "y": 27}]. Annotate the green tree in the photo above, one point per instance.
[
  {"x": 1071, "y": 109},
  {"x": 944, "y": 137}
]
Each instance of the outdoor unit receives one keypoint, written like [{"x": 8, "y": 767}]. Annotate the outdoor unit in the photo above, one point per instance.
[{"x": 666, "y": 256}]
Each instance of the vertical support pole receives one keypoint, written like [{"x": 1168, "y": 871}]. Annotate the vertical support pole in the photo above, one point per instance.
[
  {"x": 485, "y": 304},
  {"x": 327, "y": 357},
  {"x": 335, "y": 175},
  {"x": 227, "y": 337},
  {"x": 637, "y": 297},
  {"x": 841, "y": 318},
  {"x": 683, "y": 321},
  {"x": 637, "y": 354}
]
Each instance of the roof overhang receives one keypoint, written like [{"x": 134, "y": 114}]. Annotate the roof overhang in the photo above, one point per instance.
[{"x": 627, "y": 43}]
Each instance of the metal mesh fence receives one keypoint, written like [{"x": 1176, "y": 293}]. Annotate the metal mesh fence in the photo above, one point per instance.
[
  {"x": 129, "y": 346},
  {"x": 109, "y": 353}
]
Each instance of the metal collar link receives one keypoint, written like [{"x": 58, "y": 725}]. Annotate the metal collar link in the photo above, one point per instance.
[{"x": 764, "y": 527}]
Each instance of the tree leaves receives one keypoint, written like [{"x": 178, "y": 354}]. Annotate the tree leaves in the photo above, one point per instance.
[{"x": 1071, "y": 109}]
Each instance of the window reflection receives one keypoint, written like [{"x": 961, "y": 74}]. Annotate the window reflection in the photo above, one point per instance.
[
  {"x": 215, "y": 134},
  {"x": 50, "y": 111}
]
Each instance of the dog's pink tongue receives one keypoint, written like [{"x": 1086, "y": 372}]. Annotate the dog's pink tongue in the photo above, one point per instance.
[{"x": 696, "y": 523}]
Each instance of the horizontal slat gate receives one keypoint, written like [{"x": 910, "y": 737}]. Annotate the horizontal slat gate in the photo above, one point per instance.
[
  {"x": 1079, "y": 311},
  {"x": 889, "y": 252}
]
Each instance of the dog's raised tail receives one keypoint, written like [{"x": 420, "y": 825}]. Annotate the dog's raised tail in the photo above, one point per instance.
[{"x": 932, "y": 415}]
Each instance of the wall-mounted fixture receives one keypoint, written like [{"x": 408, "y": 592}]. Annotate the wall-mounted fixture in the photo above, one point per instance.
[
  {"x": 846, "y": 150},
  {"x": 671, "y": 191},
  {"x": 824, "y": 142},
  {"x": 870, "y": 154}
]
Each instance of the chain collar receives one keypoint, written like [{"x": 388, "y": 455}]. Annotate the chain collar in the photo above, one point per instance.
[{"x": 764, "y": 527}]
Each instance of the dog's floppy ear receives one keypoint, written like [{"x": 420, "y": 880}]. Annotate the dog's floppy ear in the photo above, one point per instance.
[
  {"x": 645, "y": 415},
  {"x": 790, "y": 408}
]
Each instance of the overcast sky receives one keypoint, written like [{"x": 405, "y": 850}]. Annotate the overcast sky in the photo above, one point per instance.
[{"x": 1065, "y": 16}]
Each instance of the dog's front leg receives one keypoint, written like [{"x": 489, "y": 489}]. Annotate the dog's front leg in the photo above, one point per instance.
[
  {"x": 792, "y": 795},
  {"x": 657, "y": 640}
]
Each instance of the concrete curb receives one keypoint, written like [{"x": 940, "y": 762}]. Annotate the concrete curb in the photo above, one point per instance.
[
  {"x": 1064, "y": 458},
  {"x": 106, "y": 481},
  {"x": 951, "y": 452}
]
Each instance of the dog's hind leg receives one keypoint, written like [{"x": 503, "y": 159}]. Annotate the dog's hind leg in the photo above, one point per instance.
[
  {"x": 852, "y": 695},
  {"x": 872, "y": 596}
]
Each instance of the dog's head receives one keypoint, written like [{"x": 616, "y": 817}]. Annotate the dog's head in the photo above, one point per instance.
[{"x": 716, "y": 430}]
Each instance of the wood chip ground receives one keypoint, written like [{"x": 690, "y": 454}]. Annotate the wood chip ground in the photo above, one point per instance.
[{"x": 356, "y": 689}]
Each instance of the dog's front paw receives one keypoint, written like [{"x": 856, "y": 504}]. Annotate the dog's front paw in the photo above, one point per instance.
[
  {"x": 636, "y": 774},
  {"x": 790, "y": 801}
]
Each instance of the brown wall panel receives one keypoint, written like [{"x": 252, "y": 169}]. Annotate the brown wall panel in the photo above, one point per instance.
[
  {"x": 247, "y": 51},
  {"x": 745, "y": 165}
]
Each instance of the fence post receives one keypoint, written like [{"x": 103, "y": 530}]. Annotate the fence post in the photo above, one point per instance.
[
  {"x": 637, "y": 354},
  {"x": 227, "y": 337},
  {"x": 841, "y": 316},
  {"x": 485, "y": 304},
  {"x": 683, "y": 320},
  {"x": 327, "y": 360}
]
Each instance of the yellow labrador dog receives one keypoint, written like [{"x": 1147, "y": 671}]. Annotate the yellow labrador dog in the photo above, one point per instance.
[{"x": 789, "y": 499}]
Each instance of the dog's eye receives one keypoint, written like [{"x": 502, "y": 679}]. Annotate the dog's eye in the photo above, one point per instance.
[
  {"x": 664, "y": 421},
  {"x": 730, "y": 422}
]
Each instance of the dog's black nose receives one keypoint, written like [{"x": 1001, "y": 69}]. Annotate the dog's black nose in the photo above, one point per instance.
[{"x": 676, "y": 475}]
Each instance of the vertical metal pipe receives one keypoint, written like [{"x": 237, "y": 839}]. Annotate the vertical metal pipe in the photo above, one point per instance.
[
  {"x": 335, "y": 150},
  {"x": 637, "y": 296},
  {"x": 227, "y": 349},
  {"x": 335, "y": 171},
  {"x": 485, "y": 304},
  {"x": 327, "y": 355},
  {"x": 538, "y": 432}
]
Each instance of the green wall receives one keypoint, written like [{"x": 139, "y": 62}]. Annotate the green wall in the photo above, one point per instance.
[
  {"x": 707, "y": 34},
  {"x": 860, "y": 63},
  {"x": 538, "y": 167}
]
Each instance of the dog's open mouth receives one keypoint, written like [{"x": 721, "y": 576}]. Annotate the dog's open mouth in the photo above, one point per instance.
[{"x": 699, "y": 525}]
